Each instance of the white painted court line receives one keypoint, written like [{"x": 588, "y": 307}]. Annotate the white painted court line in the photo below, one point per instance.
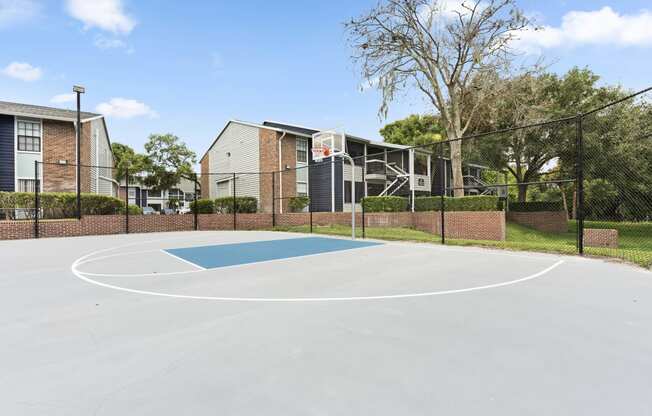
[
  {"x": 183, "y": 260},
  {"x": 83, "y": 276}
]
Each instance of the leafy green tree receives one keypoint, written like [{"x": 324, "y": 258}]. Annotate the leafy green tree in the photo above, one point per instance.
[
  {"x": 618, "y": 158},
  {"x": 127, "y": 158},
  {"x": 170, "y": 160},
  {"x": 529, "y": 153},
  {"x": 414, "y": 130}
]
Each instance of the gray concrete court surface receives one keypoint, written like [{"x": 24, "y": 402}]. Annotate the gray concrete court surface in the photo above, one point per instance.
[{"x": 112, "y": 325}]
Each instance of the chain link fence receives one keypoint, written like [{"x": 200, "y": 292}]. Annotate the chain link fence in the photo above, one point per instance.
[{"x": 580, "y": 184}]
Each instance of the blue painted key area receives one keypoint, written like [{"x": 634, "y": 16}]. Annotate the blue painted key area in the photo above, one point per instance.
[{"x": 210, "y": 257}]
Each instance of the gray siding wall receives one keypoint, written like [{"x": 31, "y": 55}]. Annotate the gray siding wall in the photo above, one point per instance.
[
  {"x": 7, "y": 179},
  {"x": 101, "y": 157},
  {"x": 242, "y": 143}
]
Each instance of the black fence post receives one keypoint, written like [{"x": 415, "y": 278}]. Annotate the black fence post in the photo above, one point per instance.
[
  {"x": 309, "y": 201},
  {"x": 195, "y": 211},
  {"x": 127, "y": 201},
  {"x": 37, "y": 202},
  {"x": 273, "y": 199},
  {"x": 364, "y": 194},
  {"x": 442, "y": 200},
  {"x": 78, "y": 142},
  {"x": 235, "y": 206},
  {"x": 579, "y": 144}
]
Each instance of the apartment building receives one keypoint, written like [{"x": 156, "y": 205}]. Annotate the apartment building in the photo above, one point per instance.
[
  {"x": 247, "y": 149},
  {"x": 30, "y": 133}
]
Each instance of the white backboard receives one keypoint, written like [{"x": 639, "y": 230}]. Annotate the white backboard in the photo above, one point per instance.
[{"x": 328, "y": 143}]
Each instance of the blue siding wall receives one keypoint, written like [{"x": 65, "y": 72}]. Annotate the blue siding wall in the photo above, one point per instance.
[
  {"x": 320, "y": 186},
  {"x": 339, "y": 185},
  {"x": 7, "y": 153}
]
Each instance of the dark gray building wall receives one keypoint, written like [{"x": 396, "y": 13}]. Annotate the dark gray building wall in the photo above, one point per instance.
[
  {"x": 7, "y": 154},
  {"x": 339, "y": 185},
  {"x": 320, "y": 186}
]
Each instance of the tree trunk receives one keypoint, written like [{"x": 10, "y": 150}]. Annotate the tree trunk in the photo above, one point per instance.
[
  {"x": 563, "y": 200},
  {"x": 456, "y": 161},
  {"x": 522, "y": 192}
]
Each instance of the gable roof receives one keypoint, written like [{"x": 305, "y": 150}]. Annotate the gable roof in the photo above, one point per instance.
[
  {"x": 310, "y": 132},
  {"x": 246, "y": 123},
  {"x": 37, "y": 111},
  {"x": 298, "y": 131}
]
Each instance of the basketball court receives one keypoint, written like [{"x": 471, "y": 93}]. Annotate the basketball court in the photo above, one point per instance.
[{"x": 240, "y": 323}]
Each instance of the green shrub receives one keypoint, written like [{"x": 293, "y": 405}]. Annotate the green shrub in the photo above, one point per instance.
[
  {"x": 465, "y": 203},
  {"x": 62, "y": 204},
  {"x": 205, "y": 206},
  {"x": 95, "y": 204},
  {"x": 298, "y": 203},
  {"x": 133, "y": 210},
  {"x": 384, "y": 204},
  {"x": 536, "y": 206},
  {"x": 244, "y": 205}
]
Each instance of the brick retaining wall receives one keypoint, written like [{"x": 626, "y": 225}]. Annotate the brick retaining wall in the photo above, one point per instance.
[
  {"x": 465, "y": 225},
  {"x": 600, "y": 238},
  {"x": 546, "y": 221}
]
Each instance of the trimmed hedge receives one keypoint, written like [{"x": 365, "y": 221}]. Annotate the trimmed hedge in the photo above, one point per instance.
[
  {"x": 244, "y": 205},
  {"x": 384, "y": 204},
  {"x": 298, "y": 203},
  {"x": 205, "y": 206},
  {"x": 465, "y": 203},
  {"x": 538, "y": 206},
  {"x": 133, "y": 210},
  {"x": 61, "y": 204}
]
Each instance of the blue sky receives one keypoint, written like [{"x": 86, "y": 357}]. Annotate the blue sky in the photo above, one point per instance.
[{"x": 188, "y": 67}]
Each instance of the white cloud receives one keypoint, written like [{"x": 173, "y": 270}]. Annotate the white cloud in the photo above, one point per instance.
[
  {"x": 13, "y": 12},
  {"x": 22, "y": 71},
  {"x": 107, "y": 15},
  {"x": 109, "y": 43},
  {"x": 599, "y": 27},
  {"x": 63, "y": 98},
  {"x": 125, "y": 108}
]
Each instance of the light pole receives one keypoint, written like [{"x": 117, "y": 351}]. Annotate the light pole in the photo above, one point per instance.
[{"x": 79, "y": 91}]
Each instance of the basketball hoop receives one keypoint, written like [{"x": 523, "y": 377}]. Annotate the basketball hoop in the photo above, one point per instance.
[
  {"x": 319, "y": 153},
  {"x": 332, "y": 143},
  {"x": 326, "y": 144}
]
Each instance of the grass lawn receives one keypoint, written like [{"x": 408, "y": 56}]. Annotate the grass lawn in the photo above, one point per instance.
[{"x": 635, "y": 239}]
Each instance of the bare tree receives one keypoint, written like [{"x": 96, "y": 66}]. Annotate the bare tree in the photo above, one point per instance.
[{"x": 446, "y": 54}]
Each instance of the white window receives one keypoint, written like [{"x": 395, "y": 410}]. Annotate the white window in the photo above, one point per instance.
[
  {"x": 302, "y": 151},
  {"x": 302, "y": 189},
  {"x": 132, "y": 193},
  {"x": 29, "y": 136},
  {"x": 26, "y": 185},
  {"x": 154, "y": 193},
  {"x": 175, "y": 194}
]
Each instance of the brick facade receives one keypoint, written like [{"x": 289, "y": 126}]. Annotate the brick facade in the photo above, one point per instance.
[
  {"x": 546, "y": 221},
  {"x": 205, "y": 179},
  {"x": 269, "y": 162},
  {"x": 267, "y": 148},
  {"x": 59, "y": 144},
  {"x": 464, "y": 225},
  {"x": 600, "y": 238}
]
